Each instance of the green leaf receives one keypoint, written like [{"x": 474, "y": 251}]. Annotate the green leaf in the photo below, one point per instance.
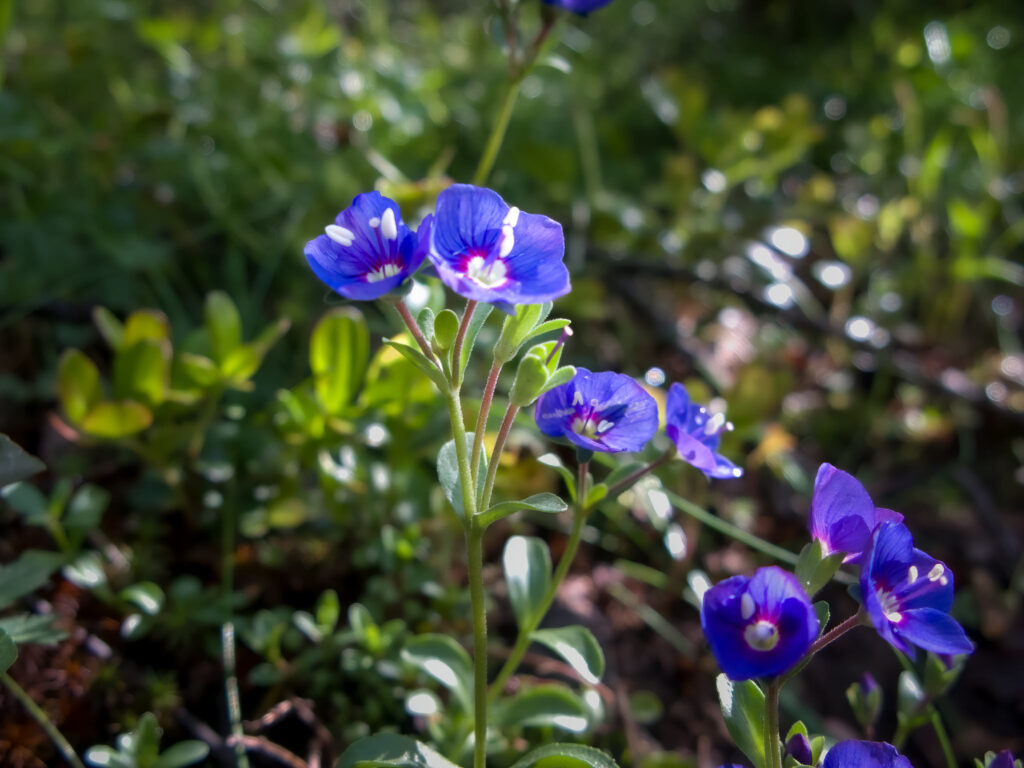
[
  {"x": 552, "y": 460},
  {"x": 328, "y": 611},
  {"x": 113, "y": 421},
  {"x": 444, "y": 660},
  {"x": 147, "y": 740},
  {"x": 417, "y": 358},
  {"x": 223, "y": 323},
  {"x": 25, "y": 575},
  {"x": 539, "y": 502},
  {"x": 142, "y": 371},
  {"x": 78, "y": 385},
  {"x": 448, "y": 473},
  {"x": 15, "y": 463},
  {"x": 389, "y": 750},
  {"x": 199, "y": 368},
  {"x": 110, "y": 328},
  {"x": 578, "y": 646},
  {"x": 595, "y": 494},
  {"x": 527, "y": 564},
  {"x": 183, "y": 753},
  {"x": 743, "y": 708},
  {"x": 339, "y": 351},
  {"x": 146, "y": 596},
  {"x": 645, "y": 707},
  {"x": 476, "y": 322},
  {"x": 565, "y": 756},
  {"x": 145, "y": 325},
  {"x": 561, "y": 376},
  {"x": 544, "y": 705},
  {"x": 551, "y": 325},
  {"x": 815, "y": 571},
  {"x": 30, "y": 628},
  {"x": 85, "y": 510},
  {"x": 8, "y": 651},
  {"x": 425, "y": 322}
]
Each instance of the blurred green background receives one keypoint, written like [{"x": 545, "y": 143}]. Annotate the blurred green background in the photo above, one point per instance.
[{"x": 812, "y": 210}]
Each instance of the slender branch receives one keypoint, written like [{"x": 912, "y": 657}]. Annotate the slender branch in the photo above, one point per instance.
[
  {"x": 460, "y": 338},
  {"x": 773, "y": 746},
  {"x": 414, "y": 329},
  {"x": 523, "y": 639},
  {"x": 227, "y": 637},
  {"x": 834, "y": 634},
  {"x": 499, "y": 446},
  {"x": 481, "y": 418},
  {"x": 631, "y": 479},
  {"x": 44, "y": 721}
]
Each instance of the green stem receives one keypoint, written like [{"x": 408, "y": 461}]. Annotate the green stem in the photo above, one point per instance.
[
  {"x": 414, "y": 329},
  {"x": 902, "y": 731},
  {"x": 773, "y": 751},
  {"x": 745, "y": 537},
  {"x": 631, "y": 479},
  {"x": 481, "y": 418},
  {"x": 206, "y": 417},
  {"x": 498, "y": 130},
  {"x": 474, "y": 554},
  {"x": 227, "y": 636},
  {"x": 40, "y": 716},
  {"x": 499, "y": 446},
  {"x": 460, "y": 339},
  {"x": 523, "y": 639}
]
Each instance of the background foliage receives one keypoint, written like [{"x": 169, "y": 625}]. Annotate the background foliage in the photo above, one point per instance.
[{"x": 815, "y": 211}]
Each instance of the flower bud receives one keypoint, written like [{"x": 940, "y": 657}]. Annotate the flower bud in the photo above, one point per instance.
[
  {"x": 865, "y": 699},
  {"x": 446, "y": 327},
  {"x": 531, "y": 376}
]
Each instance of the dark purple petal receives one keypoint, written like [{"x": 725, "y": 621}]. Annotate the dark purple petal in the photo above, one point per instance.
[
  {"x": 864, "y": 754},
  {"x": 1003, "y": 760},
  {"x": 799, "y": 748},
  {"x": 842, "y": 513}
]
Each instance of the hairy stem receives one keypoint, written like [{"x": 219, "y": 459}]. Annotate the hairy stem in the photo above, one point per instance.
[
  {"x": 773, "y": 745},
  {"x": 834, "y": 634},
  {"x": 410, "y": 323},
  {"x": 568, "y": 555},
  {"x": 44, "y": 721},
  {"x": 481, "y": 418},
  {"x": 460, "y": 338},
  {"x": 633, "y": 478},
  {"x": 499, "y": 446}
]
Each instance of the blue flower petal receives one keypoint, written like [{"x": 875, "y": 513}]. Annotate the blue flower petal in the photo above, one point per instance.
[
  {"x": 687, "y": 425},
  {"x": 864, "y": 754},
  {"x": 933, "y": 630}
]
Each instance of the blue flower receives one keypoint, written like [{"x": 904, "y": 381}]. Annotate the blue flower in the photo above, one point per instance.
[
  {"x": 908, "y": 594},
  {"x": 486, "y": 251},
  {"x": 758, "y": 627},
  {"x": 605, "y": 411},
  {"x": 697, "y": 434},
  {"x": 367, "y": 251},
  {"x": 865, "y": 754},
  {"x": 579, "y": 6},
  {"x": 799, "y": 748},
  {"x": 1003, "y": 760},
  {"x": 843, "y": 516}
]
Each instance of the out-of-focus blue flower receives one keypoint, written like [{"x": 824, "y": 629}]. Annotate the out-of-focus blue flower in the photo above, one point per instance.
[
  {"x": 697, "y": 434},
  {"x": 486, "y": 251},
  {"x": 604, "y": 411},
  {"x": 367, "y": 251},
  {"x": 799, "y": 748},
  {"x": 1003, "y": 760},
  {"x": 579, "y": 6},
  {"x": 865, "y": 754},
  {"x": 908, "y": 594},
  {"x": 758, "y": 627},
  {"x": 843, "y": 516}
]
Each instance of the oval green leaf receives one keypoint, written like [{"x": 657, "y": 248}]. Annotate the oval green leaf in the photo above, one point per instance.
[
  {"x": 539, "y": 502},
  {"x": 565, "y": 756},
  {"x": 339, "y": 351},
  {"x": 78, "y": 385},
  {"x": 577, "y": 646},
  {"x": 112, "y": 420},
  {"x": 527, "y": 564},
  {"x": 389, "y": 750},
  {"x": 444, "y": 660},
  {"x": 545, "y": 705},
  {"x": 743, "y": 708}
]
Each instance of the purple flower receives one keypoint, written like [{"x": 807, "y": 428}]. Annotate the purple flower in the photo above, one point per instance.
[
  {"x": 605, "y": 411},
  {"x": 579, "y": 6},
  {"x": 486, "y": 251},
  {"x": 1003, "y": 760},
  {"x": 367, "y": 251},
  {"x": 697, "y": 434},
  {"x": 843, "y": 516},
  {"x": 758, "y": 627},
  {"x": 908, "y": 594},
  {"x": 865, "y": 754},
  {"x": 799, "y": 748}
]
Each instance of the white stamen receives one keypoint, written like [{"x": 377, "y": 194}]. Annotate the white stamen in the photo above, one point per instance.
[
  {"x": 374, "y": 222},
  {"x": 936, "y": 572},
  {"x": 508, "y": 241},
  {"x": 715, "y": 424},
  {"x": 594, "y": 403},
  {"x": 492, "y": 275},
  {"x": 894, "y": 616},
  {"x": 512, "y": 217},
  {"x": 340, "y": 235},
  {"x": 605, "y": 425},
  {"x": 944, "y": 581},
  {"x": 577, "y": 399},
  {"x": 746, "y": 605},
  {"x": 762, "y": 635},
  {"x": 384, "y": 271},
  {"x": 388, "y": 226},
  {"x": 912, "y": 574}
]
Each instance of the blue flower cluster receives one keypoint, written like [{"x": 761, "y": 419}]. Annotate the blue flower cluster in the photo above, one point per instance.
[{"x": 765, "y": 625}]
